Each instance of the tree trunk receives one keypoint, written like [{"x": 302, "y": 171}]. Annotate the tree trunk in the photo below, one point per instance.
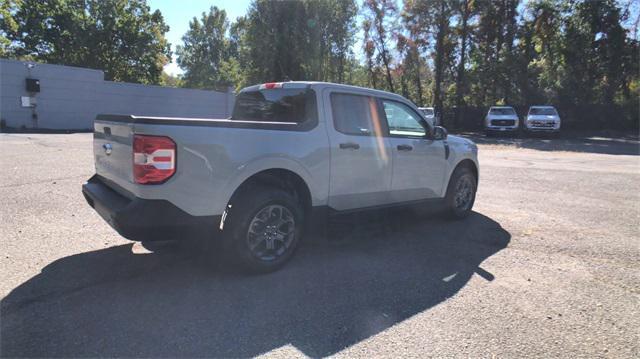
[
  {"x": 404, "y": 87},
  {"x": 385, "y": 61},
  {"x": 416, "y": 61},
  {"x": 437, "y": 95},
  {"x": 510, "y": 21},
  {"x": 499, "y": 42},
  {"x": 460, "y": 77},
  {"x": 372, "y": 74}
]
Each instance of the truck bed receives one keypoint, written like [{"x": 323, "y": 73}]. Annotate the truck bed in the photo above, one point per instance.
[{"x": 213, "y": 156}]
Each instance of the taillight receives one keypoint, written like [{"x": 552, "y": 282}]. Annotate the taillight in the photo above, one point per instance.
[
  {"x": 270, "y": 85},
  {"x": 154, "y": 159}
]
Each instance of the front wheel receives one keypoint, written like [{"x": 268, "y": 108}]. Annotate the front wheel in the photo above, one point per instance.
[
  {"x": 461, "y": 193},
  {"x": 265, "y": 228}
]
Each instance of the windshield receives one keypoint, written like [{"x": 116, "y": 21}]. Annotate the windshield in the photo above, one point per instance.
[
  {"x": 550, "y": 111},
  {"x": 274, "y": 105},
  {"x": 502, "y": 111}
]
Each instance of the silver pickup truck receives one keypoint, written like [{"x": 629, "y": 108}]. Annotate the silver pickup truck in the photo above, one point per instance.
[{"x": 291, "y": 154}]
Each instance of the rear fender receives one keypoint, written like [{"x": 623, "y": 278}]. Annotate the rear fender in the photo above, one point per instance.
[{"x": 245, "y": 171}]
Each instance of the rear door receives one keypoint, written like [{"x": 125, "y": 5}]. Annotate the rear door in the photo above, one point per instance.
[
  {"x": 418, "y": 162},
  {"x": 360, "y": 157}
]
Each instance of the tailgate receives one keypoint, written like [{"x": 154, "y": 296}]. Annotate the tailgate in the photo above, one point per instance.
[{"x": 112, "y": 141}]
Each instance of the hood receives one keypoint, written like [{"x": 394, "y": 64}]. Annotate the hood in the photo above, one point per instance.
[
  {"x": 543, "y": 117},
  {"x": 459, "y": 140},
  {"x": 462, "y": 146}
]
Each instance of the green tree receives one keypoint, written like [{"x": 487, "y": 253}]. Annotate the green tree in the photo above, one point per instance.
[
  {"x": 539, "y": 52},
  {"x": 299, "y": 40},
  {"x": 206, "y": 52},
  {"x": 380, "y": 24},
  {"x": 595, "y": 46},
  {"x": 369, "y": 51},
  {"x": 492, "y": 55},
  {"x": 170, "y": 80},
  {"x": 122, "y": 37},
  {"x": 275, "y": 41},
  {"x": 411, "y": 67},
  {"x": 465, "y": 11},
  {"x": 431, "y": 23},
  {"x": 7, "y": 25}
]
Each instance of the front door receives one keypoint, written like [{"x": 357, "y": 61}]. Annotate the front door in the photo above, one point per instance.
[
  {"x": 418, "y": 161},
  {"x": 360, "y": 156}
]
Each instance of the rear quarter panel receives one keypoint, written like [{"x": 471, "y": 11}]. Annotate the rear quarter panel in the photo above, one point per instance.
[{"x": 213, "y": 161}]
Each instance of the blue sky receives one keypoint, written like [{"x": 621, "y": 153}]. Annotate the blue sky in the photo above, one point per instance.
[{"x": 177, "y": 15}]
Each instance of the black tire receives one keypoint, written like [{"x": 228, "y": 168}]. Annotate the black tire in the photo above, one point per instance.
[
  {"x": 243, "y": 212},
  {"x": 454, "y": 208}
]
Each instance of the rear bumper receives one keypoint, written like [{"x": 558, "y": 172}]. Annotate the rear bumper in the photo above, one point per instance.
[{"x": 143, "y": 219}]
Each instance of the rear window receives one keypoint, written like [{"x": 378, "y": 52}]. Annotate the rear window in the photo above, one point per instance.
[
  {"x": 293, "y": 105},
  {"x": 543, "y": 111},
  {"x": 354, "y": 114},
  {"x": 502, "y": 111}
]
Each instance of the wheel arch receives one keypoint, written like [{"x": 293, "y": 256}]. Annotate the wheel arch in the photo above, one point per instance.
[
  {"x": 281, "y": 178},
  {"x": 470, "y": 164}
]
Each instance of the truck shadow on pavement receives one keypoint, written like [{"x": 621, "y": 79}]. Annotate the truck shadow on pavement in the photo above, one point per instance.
[{"x": 379, "y": 271}]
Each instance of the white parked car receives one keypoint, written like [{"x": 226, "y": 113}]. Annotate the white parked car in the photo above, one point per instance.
[
  {"x": 500, "y": 119},
  {"x": 542, "y": 118},
  {"x": 430, "y": 114}
]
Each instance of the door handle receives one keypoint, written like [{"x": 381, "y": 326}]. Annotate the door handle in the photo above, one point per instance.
[
  {"x": 404, "y": 148},
  {"x": 350, "y": 145}
]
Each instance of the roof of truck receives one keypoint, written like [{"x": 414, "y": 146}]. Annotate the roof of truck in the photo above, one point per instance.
[{"x": 320, "y": 84}]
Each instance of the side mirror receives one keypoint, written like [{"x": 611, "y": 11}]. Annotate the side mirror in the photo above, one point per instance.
[{"x": 440, "y": 133}]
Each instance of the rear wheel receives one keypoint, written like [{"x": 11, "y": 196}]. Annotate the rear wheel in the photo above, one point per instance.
[
  {"x": 461, "y": 193},
  {"x": 265, "y": 226}
]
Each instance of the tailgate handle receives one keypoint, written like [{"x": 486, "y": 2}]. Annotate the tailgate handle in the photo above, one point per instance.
[
  {"x": 107, "y": 131},
  {"x": 404, "y": 148}
]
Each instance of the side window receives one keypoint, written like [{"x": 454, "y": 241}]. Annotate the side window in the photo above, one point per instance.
[
  {"x": 355, "y": 114},
  {"x": 402, "y": 120}
]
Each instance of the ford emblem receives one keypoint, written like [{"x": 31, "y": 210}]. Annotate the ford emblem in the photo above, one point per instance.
[{"x": 107, "y": 148}]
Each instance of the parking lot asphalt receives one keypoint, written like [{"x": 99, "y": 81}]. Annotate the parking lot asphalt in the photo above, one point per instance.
[{"x": 547, "y": 266}]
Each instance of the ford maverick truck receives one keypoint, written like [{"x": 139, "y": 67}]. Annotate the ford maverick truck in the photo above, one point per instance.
[{"x": 290, "y": 153}]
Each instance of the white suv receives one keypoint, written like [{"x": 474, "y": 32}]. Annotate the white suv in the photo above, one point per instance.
[
  {"x": 501, "y": 119},
  {"x": 542, "y": 118}
]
